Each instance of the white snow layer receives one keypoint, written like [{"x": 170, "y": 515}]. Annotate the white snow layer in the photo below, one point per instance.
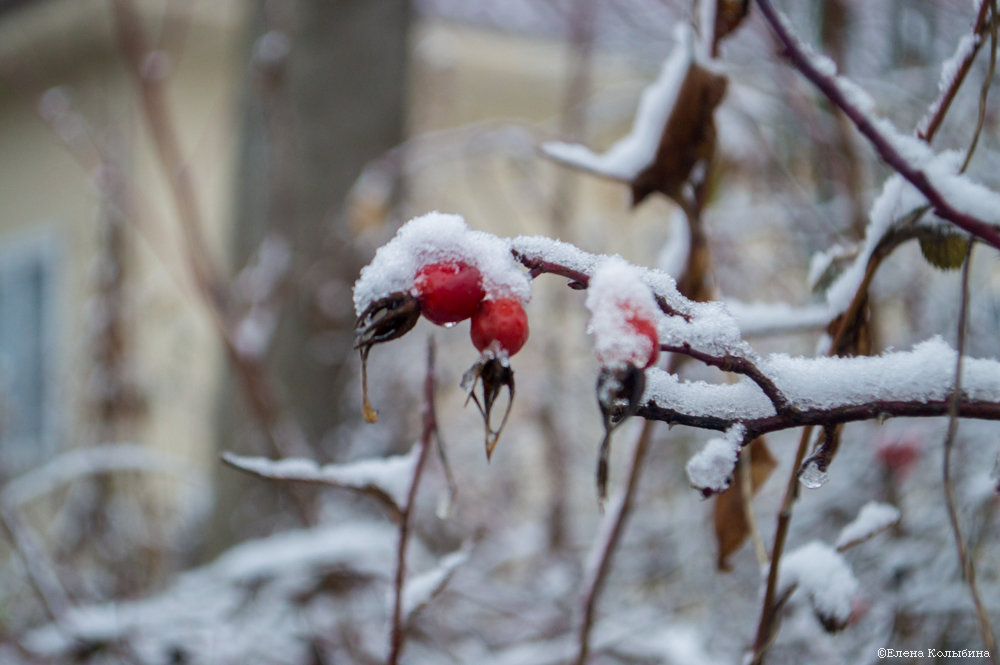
[
  {"x": 711, "y": 468},
  {"x": 390, "y": 475},
  {"x": 820, "y": 573},
  {"x": 439, "y": 237},
  {"x": 924, "y": 374},
  {"x": 873, "y": 518},
  {"x": 419, "y": 590},
  {"x": 257, "y": 582},
  {"x": 637, "y": 150},
  {"x": 617, "y": 290}
]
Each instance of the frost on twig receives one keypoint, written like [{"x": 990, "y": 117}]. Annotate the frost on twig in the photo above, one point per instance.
[
  {"x": 387, "y": 479},
  {"x": 873, "y": 519}
]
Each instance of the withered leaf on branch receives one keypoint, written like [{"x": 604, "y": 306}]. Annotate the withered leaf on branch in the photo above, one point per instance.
[
  {"x": 944, "y": 250},
  {"x": 731, "y": 528},
  {"x": 687, "y": 143}
]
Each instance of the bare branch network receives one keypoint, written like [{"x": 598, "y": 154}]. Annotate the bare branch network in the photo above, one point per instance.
[{"x": 777, "y": 392}]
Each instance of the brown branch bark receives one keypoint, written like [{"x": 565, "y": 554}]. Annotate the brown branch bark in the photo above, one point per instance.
[
  {"x": 826, "y": 84},
  {"x": 397, "y": 634}
]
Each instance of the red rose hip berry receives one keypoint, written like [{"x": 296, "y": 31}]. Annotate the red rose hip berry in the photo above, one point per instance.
[
  {"x": 448, "y": 292},
  {"x": 643, "y": 327},
  {"x": 500, "y": 325}
]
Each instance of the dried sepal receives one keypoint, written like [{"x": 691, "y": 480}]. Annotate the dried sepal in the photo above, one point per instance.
[
  {"x": 493, "y": 374},
  {"x": 619, "y": 393},
  {"x": 383, "y": 320},
  {"x": 944, "y": 250}
]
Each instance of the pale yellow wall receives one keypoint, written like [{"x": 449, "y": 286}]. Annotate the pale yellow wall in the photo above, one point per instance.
[{"x": 69, "y": 43}]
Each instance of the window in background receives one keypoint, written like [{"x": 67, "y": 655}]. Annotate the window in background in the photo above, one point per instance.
[{"x": 27, "y": 353}]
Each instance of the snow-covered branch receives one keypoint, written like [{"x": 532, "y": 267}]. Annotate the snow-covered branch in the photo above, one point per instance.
[
  {"x": 955, "y": 198},
  {"x": 780, "y": 392},
  {"x": 386, "y": 479}
]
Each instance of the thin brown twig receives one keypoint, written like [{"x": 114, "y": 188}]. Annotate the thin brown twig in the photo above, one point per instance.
[
  {"x": 428, "y": 434},
  {"x": 769, "y": 609},
  {"x": 594, "y": 583},
  {"x": 964, "y": 555}
]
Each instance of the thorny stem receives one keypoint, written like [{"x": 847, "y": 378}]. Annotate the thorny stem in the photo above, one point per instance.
[
  {"x": 765, "y": 627},
  {"x": 828, "y": 86},
  {"x": 964, "y": 556},
  {"x": 599, "y": 567},
  {"x": 428, "y": 435}
]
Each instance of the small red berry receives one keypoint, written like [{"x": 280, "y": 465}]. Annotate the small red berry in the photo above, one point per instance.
[
  {"x": 643, "y": 327},
  {"x": 502, "y": 322},
  {"x": 448, "y": 292},
  {"x": 632, "y": 338}
]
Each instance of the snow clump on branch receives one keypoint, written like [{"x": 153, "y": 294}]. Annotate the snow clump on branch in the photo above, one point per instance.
[{"x": 434, "y": 238}]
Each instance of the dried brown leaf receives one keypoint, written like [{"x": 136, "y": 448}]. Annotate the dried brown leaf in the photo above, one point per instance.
[
  {"x": 688, "y": 138},
  {"x": 731, "y": 528}
]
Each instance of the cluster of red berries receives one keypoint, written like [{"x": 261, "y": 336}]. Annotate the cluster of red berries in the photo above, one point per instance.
[
  {"x": 445, "y": 293},
  {"x": 452, "y": 291}
]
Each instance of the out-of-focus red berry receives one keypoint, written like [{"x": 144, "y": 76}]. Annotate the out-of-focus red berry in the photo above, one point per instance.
[
  {"x": 898, "y": 454},
  {"x": 448, "y": 292},
  {"x": 502, "y": 321}
]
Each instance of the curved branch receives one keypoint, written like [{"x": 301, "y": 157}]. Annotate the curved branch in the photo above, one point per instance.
[
  {"x": 834, "y": 415},
  {"x": 828, "y": 85}
]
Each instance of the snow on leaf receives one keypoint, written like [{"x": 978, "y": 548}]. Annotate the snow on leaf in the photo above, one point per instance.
[
  {"x": 637, "y": 150},
  {"x": 421, "y": 589},
  {"x": 820, "y": 573},
  {"x": 711, "y": 469},
  {"x": 389, "y": 475},
  {"x": 873, "y": 519},
  {"x": 440, "y": 237}
]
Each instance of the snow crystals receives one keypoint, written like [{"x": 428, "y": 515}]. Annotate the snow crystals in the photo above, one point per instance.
[
  {"x": 711, "y": 469},
  {"x": 817, "y": 571}
]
